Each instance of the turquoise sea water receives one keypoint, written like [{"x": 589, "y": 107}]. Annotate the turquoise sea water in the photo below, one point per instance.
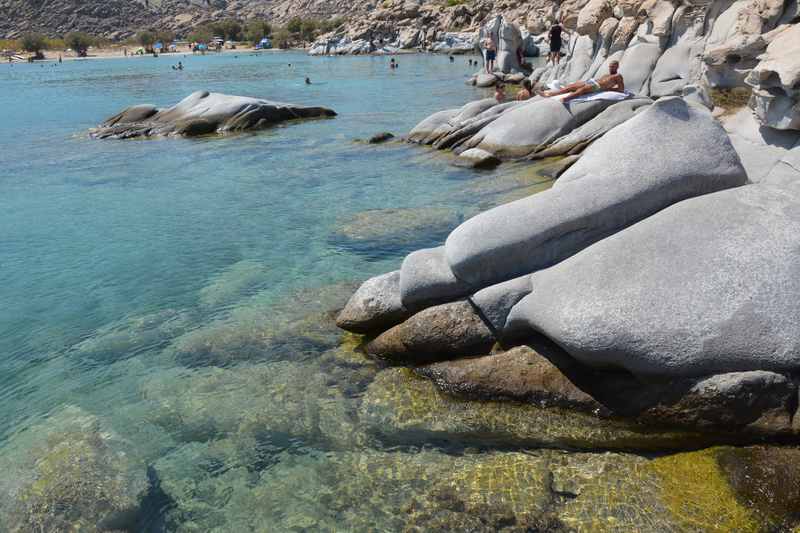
[{"x": 147, "y": 282}]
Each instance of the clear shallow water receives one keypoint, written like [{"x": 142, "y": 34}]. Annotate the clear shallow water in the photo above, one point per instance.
[{"x": 134, "y": 272}]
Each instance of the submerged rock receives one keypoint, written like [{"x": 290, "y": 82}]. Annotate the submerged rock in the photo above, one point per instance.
[
  {"x": 379, "y": 138},
  {"x": 275, "y": 402},
  {"x": 132, "y": 336},
  {"x": 233, "y": 283},
  {"x": 300, "y": 325},
  {"x": 429, "y": 490},
  {"x": 70, "y": 473},
  {"x": 203, "y": 113},
  {"x": 381, "y": 232},
  {"x": 401, "y": 408},
  {"x": 736, "y": 405}
]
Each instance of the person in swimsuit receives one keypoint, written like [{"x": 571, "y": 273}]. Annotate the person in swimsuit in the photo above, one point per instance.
[
  {"x": 500, "y": 93},
  {"x": 526, "y": 93},
  {"x": 612, "y": 81},
  {"x": 554, "y": 36},
  {"x": 491, "y": 54}
]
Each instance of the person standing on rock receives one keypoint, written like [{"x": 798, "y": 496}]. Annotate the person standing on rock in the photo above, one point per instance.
[
  {"x": 491, "y": 54},
  {"x": 554, "y": 36}
]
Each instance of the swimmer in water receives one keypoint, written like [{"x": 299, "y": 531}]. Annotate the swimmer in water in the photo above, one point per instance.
[{"x": 308, "y": 81}]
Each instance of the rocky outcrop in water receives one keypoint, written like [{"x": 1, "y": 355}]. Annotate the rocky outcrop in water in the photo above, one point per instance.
[{"x": 203, "y": 113}]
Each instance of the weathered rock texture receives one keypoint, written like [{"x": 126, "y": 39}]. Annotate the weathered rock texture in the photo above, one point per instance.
[{"x": 203, "y": 113}]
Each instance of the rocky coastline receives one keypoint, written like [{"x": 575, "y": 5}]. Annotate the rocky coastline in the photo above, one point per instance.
[
  {"x": 648, "y": 296},
  {"x": 617, "y": 352}
]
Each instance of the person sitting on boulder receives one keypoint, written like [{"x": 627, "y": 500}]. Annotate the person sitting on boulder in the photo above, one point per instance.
[
  {"x": 610, "y": 82},
  {"x": 526, "y": 93}
]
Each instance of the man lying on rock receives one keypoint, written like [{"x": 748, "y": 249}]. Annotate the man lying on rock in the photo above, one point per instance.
[{"x": 611, "y": 82}]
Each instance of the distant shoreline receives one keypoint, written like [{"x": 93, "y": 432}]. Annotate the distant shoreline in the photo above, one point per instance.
[{"x": 117, "y": 52}]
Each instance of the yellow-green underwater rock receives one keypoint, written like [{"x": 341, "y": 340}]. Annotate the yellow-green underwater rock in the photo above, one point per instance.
[
  {"x": 299, "y": 326},
  {"x": 69, "y": 474},
  {"x": 233, "y": 283},
  {"x": 428, "y": 490},
  {"x": 698, "y": 496},
  {"x": 400, "y": 407},
  {"x": 276, "y": 401},
  {"x": 398, "y": 229}
]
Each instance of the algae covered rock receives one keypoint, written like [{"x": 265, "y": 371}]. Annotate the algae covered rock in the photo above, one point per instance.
[
  {"x": 70, "y": 473},
  {"x": 203, "y": 113},
  {"x": 379, "y": 232},
  {"x": 734, "y": 407},
  {"x": 428, "y": 490},
  {"x": 399, "y": 407},
  {"x": 299, "y": 325},
  {"x": 275, "y": 401},
  {"x": 131, "y": 336},
  {"x": 233, "y": 283}
]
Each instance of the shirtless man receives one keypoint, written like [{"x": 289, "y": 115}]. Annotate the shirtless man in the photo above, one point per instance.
[
  {"x": 611, "y": 82},
  {"x": 491, "y": 54}
]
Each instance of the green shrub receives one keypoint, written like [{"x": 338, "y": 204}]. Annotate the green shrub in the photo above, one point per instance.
[
  {"x": 33, "y": 42},
  {"x": 281, "y": 38},
  {"x": 79, "y": 41},
  {"x": 147, "y": 39},
  {"x": 256, "y": 29}
]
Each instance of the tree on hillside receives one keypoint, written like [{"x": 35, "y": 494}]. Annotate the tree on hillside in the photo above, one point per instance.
[
  {"x": 281, "y": 38},
  {"x": 201, "y": 34},
  {"x": 256, "y": 29},
  {"x": 165, "y": 37},
  {"x": 228, "y": 29},
  {"x": 305, "y": 29},
  {"x": 34, "y": 43},
  {"x": 147, "y": 39},
  {"x": 79, "y": 41}
]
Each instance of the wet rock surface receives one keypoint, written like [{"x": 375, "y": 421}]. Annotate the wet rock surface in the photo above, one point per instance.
[
  {"x": 400, "y": 408},
  {"x": 439, "y": 332},
  {"x": 753, "y": 403}
]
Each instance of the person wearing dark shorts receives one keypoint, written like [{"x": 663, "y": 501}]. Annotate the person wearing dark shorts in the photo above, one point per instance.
[
  {"x": 491, "y": 54},
  {"x": 555, "y": 43}
]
